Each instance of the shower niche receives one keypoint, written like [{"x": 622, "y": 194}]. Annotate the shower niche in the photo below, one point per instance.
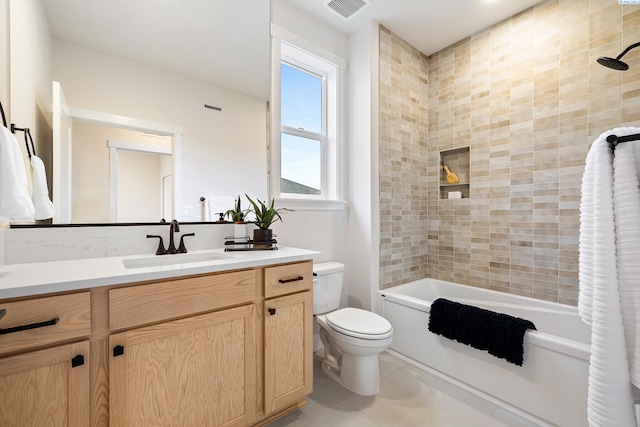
[{"x": 458, "y": 162}]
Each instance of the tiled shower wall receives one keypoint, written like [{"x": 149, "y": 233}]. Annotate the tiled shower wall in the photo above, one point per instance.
[
  {"x": 528, "y": 98},
  {"x": 403, "y": 154}
]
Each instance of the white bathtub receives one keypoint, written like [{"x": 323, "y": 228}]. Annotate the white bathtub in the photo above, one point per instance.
[{"x": 551, "y": 386}]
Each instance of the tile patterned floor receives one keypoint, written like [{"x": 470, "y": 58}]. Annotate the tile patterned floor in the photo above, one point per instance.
[{"x": 408, "y": 397}]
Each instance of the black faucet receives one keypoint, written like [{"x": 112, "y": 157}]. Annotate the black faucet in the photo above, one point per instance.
[
  {"x": 182, "y": 249},
  {"x": 161, "y": 250},
  {"x": 174, "y": 227}
]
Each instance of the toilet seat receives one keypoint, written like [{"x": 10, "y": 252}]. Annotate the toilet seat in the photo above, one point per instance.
[{"x": 358, "y": 323}]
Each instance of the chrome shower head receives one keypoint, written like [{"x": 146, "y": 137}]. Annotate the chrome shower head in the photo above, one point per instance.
[{"x": 616, "y": 63}]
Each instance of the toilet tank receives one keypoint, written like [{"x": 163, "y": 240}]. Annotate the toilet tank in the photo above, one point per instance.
[{"x": 327, "y": 286}]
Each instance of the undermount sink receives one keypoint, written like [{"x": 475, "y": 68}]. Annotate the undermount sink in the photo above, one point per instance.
[{"x": 158, "y": 260}]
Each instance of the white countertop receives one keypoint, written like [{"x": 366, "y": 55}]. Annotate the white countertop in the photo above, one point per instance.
[{"x": 18, "y": 280}]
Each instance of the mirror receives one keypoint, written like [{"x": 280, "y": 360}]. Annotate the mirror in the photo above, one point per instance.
[
  {"x": 161, "y": 62},
  {"x": 130, "y": 178}
]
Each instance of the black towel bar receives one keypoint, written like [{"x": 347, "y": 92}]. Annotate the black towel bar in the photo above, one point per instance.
[
  {"x": 27, "y": 137},
  {"x": 614, "y": 140},
  {"x": 4, "y": 118}
]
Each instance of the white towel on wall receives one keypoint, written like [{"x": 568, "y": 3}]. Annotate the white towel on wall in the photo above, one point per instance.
[
  {"x": 609, "y": 396},
  {"x": 627, "y": 219},
  {"x": 15, "y": 203},
  {"x": 41, "y": 202}
]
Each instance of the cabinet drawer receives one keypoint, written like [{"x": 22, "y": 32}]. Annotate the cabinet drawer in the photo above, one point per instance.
[
  {"x": 42, "y": 321},
  {"x": 286, "y": 279},
  {"x": 155, "y": 302}
]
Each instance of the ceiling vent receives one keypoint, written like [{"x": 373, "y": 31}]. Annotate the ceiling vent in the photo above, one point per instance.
[{"x": 346, "y": 8}]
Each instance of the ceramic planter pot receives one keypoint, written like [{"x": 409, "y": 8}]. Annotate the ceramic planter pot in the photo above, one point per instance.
[{"x": 262, "y": 238}]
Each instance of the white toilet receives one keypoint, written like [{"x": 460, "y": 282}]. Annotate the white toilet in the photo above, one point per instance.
[{"x": 352, "y": 337}]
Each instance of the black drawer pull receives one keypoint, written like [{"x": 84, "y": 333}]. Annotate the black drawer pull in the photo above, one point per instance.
[
  {"x": 27, "y": 327},
  {"x": 2, "y": 312},
  {"x": 272, "y": 311},
  {"x": 77, "y": 361},
  {"x": 296, "y": 279}
]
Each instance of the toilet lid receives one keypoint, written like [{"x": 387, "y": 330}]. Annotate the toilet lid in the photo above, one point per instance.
[{"x": 359, "y": 323}]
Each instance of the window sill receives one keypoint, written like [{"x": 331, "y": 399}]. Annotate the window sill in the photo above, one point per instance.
[{"x": 311, "y": 205}]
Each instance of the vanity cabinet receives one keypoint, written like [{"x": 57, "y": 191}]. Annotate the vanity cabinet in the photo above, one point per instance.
[
  {"x": 230, "y": 348},
  {"x": 288, "y": 335}
]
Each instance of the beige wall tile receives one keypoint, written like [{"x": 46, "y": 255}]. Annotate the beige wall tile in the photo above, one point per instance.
[{"x": 528, "y": 97}]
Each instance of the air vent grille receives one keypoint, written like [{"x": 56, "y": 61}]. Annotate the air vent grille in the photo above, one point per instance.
[{"x": 346, "y": 8}]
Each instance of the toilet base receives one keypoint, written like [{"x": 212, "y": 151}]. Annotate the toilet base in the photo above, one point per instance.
[{"x": 359, "y": 374}]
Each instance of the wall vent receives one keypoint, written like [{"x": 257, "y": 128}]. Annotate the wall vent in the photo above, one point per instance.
[{"x": 346, "y": 8}]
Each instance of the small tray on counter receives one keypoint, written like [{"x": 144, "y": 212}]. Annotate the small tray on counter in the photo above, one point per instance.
[{"x": 232, "y": 245}]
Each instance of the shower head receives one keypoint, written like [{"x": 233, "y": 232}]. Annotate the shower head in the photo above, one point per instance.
[{"x": 616, "y": 63}]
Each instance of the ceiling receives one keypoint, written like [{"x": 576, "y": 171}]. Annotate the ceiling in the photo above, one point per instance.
[
  {"x": 226, "y": 43},
  {"x": 223, "y": 42},
  {"x": 428, "y": 25}
]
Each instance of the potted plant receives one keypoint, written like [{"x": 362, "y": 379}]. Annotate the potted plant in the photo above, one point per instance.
[
  {"x": 237, "y": 215},
  {"x": 265, "y": 216}
]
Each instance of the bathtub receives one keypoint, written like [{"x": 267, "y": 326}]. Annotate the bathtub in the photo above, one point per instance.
[{"x": 551, "y": 386}]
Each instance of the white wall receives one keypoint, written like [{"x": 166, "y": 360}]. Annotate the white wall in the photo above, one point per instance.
[
  {"x": 363, "y": 229},
  {"x": 139, "y": 186},
  {"x": 3, "y": 233},
  {"x": 301, "y": 24},
  {"x": 26, "y": 54},
  {"x": 4, "y": 88},
  {"x": 316, "y": 229},
  {"x": 223, "y": 153},
  {"x": 30, "y": 68},
  {"x": 4, "y": 57}
]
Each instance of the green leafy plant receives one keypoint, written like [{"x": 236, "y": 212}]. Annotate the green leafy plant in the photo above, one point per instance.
[
  {"x": 265, "y": 215},
  {"x": 237, "y": 214}
]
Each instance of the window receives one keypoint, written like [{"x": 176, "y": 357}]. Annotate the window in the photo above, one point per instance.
[
  {"x": 303, "y": 129},
  {"x": 306, "y": 138}
]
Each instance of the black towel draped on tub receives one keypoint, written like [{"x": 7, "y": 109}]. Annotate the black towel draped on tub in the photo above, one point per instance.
[{"x": 499, "y": 334}]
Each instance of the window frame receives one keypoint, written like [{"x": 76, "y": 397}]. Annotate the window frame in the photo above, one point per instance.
[{"x": 299, "y": 53}]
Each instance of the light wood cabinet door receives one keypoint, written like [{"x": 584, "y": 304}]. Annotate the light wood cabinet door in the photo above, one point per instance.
[
  {"x": 198, "y": 371},
  {"x": 46, "y": 388},
  {"x": 288, "y": 350}
]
